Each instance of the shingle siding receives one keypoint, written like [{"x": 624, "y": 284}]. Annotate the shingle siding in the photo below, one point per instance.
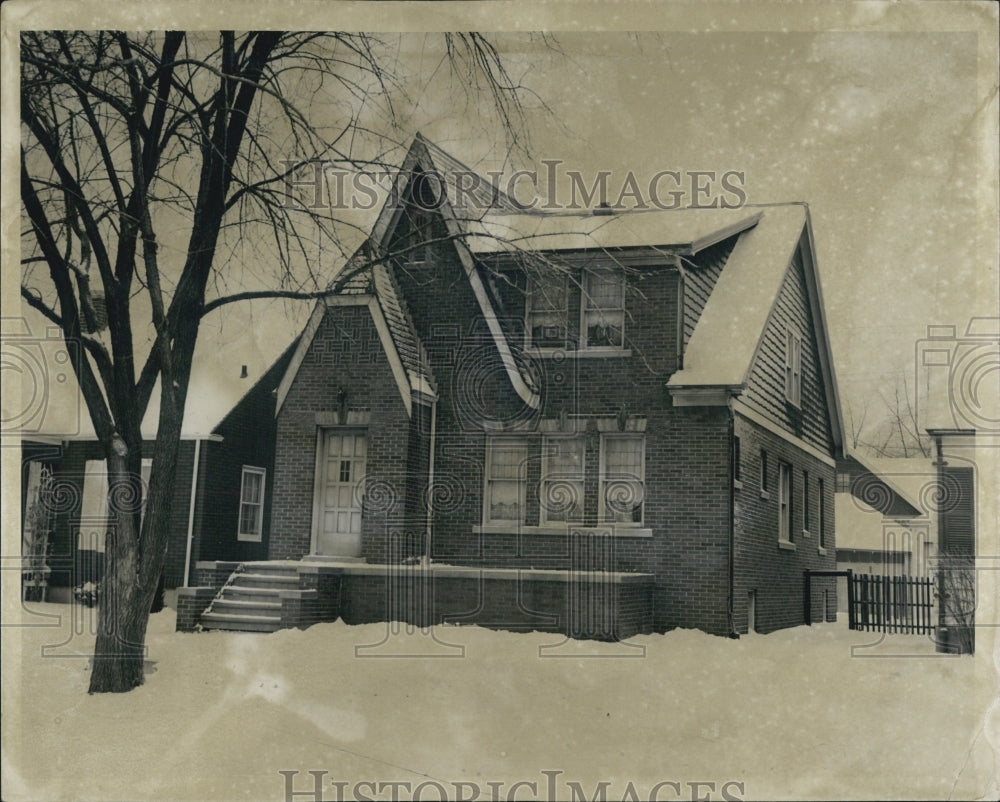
[{"x": 765, "y": 391}]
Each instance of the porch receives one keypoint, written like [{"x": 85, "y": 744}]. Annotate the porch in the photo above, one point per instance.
[{"x": 282, "y": 594}]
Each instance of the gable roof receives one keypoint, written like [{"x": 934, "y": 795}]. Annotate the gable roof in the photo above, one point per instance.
[
  {"x": 373, "y": 286},
  {"x": 735, "y": 314},
  {"x": 424, "y": 156},
  {"x": 880, "y": 484},
  {"x": 729, "y": 332}
]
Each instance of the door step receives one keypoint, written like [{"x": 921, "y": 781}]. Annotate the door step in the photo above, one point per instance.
[{"x": 241, "y": 623}]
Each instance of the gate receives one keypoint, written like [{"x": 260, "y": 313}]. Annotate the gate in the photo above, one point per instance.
[{"x": 894, "y": 604}]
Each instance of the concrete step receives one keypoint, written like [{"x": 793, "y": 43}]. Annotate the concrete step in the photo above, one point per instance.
[
  {"x": 237, "y": 593},
  {"x": 246, "y": 607},
  {"x": 258, "y": 580},
  {"x": 241, "y": 623},
  {"x": 272, "y": 568}
]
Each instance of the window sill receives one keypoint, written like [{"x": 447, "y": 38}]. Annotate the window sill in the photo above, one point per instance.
[
  {"x": 582, "y": 353},
  {"x": 821, "y": 551},
  {"x": 765, "y": 495},
  {"x": 805, "y": 533},
  {"x": 737, "y": 484},
  {"x": 248, "y": 538},
  {"x": 786, "y": 545},
  {"x": 551, "y": 530}
]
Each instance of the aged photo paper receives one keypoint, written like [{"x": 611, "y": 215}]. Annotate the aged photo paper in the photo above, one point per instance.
[{"x": 601, "y": 405}]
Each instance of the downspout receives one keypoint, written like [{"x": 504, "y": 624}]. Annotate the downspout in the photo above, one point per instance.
[
  {"x": 732, "y": 526},
  {"x": 191, "y": 507},
  {"x": 426, "y": 559}
]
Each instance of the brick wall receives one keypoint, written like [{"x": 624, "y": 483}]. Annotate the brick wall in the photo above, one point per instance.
[
  {"x": 346, "y": 355},
  {"x": 774, "y": 573},
  {"x": 593, "y": 609}
]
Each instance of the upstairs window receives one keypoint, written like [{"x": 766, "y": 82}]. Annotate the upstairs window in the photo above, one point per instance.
[
  {"x": 505, "y": 480},
  {"x": 793, "y": 368},
  {"x": 563, "y": 469},
  {"x": 622, "y": 478},
  {"x": 603, "y": 309},
  {"x": 785, "y": 502},
  {"x": 547, "y": 305},
  {"x": 251, "y": 504}
]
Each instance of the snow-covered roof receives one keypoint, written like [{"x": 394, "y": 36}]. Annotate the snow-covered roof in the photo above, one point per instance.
[
  {"x": 724, "y": 341},
  {"x": 908, "y": 480},
  {"x": 684, "y": 231}
]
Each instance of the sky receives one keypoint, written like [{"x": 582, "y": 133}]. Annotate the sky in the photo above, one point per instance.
[{"x": 877, "y": 117}]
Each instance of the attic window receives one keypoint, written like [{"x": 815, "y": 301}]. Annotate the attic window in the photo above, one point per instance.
[{"x": 793, "y": 368}]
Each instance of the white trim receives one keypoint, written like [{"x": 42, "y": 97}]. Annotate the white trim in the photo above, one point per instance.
[
  {"x": 815, "y": 293},
  {"x": 755, "y": 417},
  {"x": 191, "y": 510},
  {"x": 247, "y": 537},
  {"x": 547, "y": 438},
  {"x": 584, "y": 309},
  {"x": 602, "y": 477},
  {"x": 317, "y": 486},
  {"x": 522, "y": 482},
  {"x": 305, "y": 341},
  {"x": 526, "y": 394},
  {"x": 398, "y": 371},
  {"x": 406, "y": 388},
  {"x": 557, "y": 530},
  {"x": 702, "y": 396}
]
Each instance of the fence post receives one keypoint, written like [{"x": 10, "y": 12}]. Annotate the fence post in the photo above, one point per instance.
[{"x": 851, "y": 619}]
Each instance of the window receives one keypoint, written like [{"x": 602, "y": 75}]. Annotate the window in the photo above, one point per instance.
[
  {"x": 561, "y": 496},
  {"x": 505, "y": 480},
  {"x": 603, "y": 309},
  {"x": 547, "y": 312},
  {"x": 821, "y": 511},
  {"x": 793, "y": 368},
  {"x": 94, "y": 513},
  {"x": 737, "y": 470},
  {"x": 785, "y": 502},
  {"x": 805, "y": 502},
  {"x": 763, "y": 473},
  {"x": 622, "y": 478},
  {"x": 251, "y": 504}
]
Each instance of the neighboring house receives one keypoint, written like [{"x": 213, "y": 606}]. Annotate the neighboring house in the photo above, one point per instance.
[
  {"x": 645, "y": 398},
  {"x": 207, "y": 519},
  {"x": 885, "y": 512}
]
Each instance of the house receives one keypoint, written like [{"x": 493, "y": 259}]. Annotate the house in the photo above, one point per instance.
[
  {"x": 64, "y": 498},
  {"x": 885, "y": 512},
  {"x": 886, "y": 518},
  {"x": 594, "y": 423}
]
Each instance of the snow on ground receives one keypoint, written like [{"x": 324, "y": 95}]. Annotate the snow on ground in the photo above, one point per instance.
[{"x": 806, "y": 713}]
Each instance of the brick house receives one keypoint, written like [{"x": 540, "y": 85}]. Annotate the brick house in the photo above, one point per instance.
[{"x": 546, "y": 420}]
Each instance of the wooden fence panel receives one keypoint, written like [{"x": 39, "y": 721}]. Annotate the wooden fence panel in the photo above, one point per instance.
[{"x": 893, "y": 604}]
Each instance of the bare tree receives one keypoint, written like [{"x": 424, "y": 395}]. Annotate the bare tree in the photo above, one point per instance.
[
  {"x": 126, "y": 137},
  {"x": 896, "y": 433}
]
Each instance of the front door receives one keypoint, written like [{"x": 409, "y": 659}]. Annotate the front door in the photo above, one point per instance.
[{"x": 341, "y": 470}]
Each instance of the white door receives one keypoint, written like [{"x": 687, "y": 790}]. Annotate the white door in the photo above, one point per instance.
[{"x": 341, "y": 471}]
